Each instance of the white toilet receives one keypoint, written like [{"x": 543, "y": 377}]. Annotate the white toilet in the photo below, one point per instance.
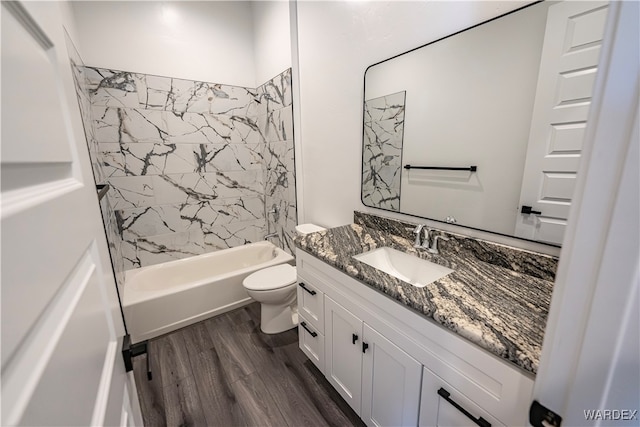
[{"x": 275, "y": 289}]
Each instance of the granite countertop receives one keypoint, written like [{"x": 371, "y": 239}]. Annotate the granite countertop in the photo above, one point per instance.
[{"x": 499, "y": 308}]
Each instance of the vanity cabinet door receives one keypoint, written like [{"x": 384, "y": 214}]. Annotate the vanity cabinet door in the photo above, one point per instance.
[
  {"x": 343, "y": 352},
  {"x": 436, "y": 410},
  {"x": 390, "y": 383}
]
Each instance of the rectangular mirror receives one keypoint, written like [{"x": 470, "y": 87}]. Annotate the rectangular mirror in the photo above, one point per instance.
[{"x": 484, "y": 128}]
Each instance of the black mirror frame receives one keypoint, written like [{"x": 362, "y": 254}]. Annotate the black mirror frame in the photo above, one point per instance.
[{"x": 364, "y": 87}]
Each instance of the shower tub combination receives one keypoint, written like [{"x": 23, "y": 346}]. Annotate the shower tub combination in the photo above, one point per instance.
[{"x": 162, "y": 298}]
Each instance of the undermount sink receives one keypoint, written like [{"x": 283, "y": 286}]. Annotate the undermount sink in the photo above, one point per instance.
[{"x": 408, "y": 268}]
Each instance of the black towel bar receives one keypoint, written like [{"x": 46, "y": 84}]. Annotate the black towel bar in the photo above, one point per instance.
[{"x": 443, "y": 168}]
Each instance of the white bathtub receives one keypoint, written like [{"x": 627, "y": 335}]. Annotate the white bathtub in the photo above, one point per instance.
[{"x": 165, "y": 297}]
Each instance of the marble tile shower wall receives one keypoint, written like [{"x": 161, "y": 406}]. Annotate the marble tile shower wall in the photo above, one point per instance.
[
  {"x": 382, "y": 151},
  {"x": 108, "y": 213},
  {"x": 190, "y": 163},
  {"x": 279, "y": 165}
]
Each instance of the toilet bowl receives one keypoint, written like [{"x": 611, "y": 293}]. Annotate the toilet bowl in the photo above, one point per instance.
[{"x": 275, "y": 289}]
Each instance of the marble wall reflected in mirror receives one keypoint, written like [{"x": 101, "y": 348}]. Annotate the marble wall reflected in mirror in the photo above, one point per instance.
[
  {"x": 510, "y": 96},
  {"x": 382, "y": 151}
]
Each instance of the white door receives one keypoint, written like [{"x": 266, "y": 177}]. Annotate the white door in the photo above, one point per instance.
[
  {"x": 390, "y": 383},
  {"x": 589, "y": 362},
  {"x": 61, "y": 323},
  {"x": 568, "y": 66},
  {"x": 343, "y": 352}
]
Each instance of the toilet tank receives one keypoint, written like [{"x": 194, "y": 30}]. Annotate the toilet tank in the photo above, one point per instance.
[{"x": 303, "y": 229}]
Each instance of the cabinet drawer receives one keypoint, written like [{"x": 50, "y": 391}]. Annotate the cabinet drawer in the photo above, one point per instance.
[
  {"x": 311, "y": 304},
  {"x": 312, "y": 346},
  {"x": 443, "y": 405}
]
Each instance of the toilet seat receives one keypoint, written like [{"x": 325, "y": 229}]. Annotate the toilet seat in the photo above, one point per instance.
[{"x": 271, "y": 278}]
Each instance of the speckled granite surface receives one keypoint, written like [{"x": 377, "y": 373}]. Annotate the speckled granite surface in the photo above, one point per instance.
[
  {"x": 531, "y": 263},
  {"x": 499, "y": 308}
]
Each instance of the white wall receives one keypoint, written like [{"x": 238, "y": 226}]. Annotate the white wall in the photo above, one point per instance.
[
  {"x": 337, "y": 42},
  {"x": 208, "y": 41},
  {"x": 69, "y": 23},
  {"x": 271, "y": 39}
]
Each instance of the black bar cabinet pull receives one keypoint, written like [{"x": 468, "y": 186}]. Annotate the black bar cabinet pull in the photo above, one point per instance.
[
  {"x": 443, "y": 168},
  {"x": 479, "y": 421},
  {"x": 311, "y": 291},
  {"x": 365, "y": 346},
  {"x": 529, "y": 210},
  {"x": 354, "y": 338},
  {"x": 304, "y": 325}
]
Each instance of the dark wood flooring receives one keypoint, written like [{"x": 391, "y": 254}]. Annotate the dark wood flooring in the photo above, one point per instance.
[{"x": 225, "y": 372}]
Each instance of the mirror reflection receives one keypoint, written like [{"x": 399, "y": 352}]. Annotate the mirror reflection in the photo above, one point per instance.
[
  {"x": 509, "y": 97},
  {"x": 382, "y": 154}
]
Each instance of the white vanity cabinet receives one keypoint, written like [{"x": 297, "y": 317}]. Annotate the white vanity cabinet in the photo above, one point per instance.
[
  {"x": 378, "y": 380},
  {"x": 311, "y": 304},
  {"x": 390, "y": 383},
  {"x": 442, "y": 405},
  {"x": 343, "y": 352},
  {"x": 311, "y": 343},
  {"x": 311, "y": 322},
  {"x": 389, "y": 362}
]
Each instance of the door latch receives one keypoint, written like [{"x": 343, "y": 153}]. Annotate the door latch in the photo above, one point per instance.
[
  {"x": 129, "y": 351},
  {"x": 540, "y": 416}
]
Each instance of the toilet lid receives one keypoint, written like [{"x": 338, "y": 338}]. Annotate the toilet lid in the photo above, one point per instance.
[{"x": 270, "y": 278}]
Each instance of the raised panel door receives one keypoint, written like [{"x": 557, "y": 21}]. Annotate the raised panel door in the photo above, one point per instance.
[
  {"x": 61, "y": 323},
  {"x": 390, "y": 383},
  {"x": 343, "y": 352},
  {"x": 570, "y": 55}
]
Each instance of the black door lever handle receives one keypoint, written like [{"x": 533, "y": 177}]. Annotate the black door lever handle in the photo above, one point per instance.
[{"x": 529, "y": 210}]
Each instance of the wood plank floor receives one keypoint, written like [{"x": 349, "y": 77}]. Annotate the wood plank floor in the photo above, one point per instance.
[{"x": 226, "y": 372}]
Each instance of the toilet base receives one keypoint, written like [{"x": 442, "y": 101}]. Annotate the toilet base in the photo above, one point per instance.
[{"x": 277, "y": 318}]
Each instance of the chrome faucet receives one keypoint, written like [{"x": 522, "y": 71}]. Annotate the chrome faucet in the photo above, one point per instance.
[
  {"x": 274, "y": 234},
  {"x": 428, "y": 243},
  {"x": 434, "y": 244},
  {"x": 427, "y": 238}
]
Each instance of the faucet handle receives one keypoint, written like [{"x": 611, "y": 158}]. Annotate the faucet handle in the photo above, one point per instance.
[
  {"x": 417, "y": 231},
  {"x": 434, "y": 244}
]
